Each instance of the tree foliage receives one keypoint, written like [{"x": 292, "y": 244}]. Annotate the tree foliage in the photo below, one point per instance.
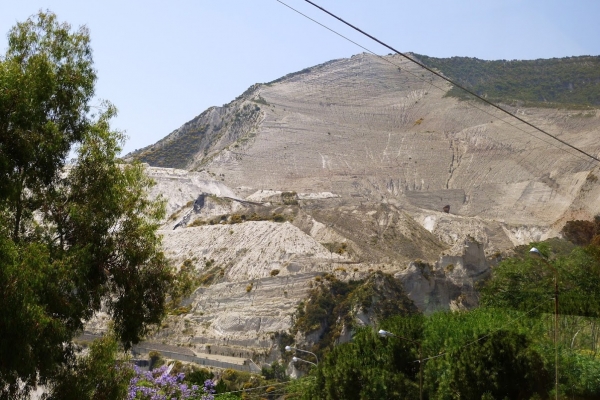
[
  {"x": 46, "y": 82},
  {"x": 502, "y": 364},
  {"x": 569, "y": 81},
  {"x": 364, "y": 369},
  {"x": 102, "y": 374},
  {"x": 524, "y": 282},
  {"x": 466, "y": 356},
  {"x": 72, "y": 239}
]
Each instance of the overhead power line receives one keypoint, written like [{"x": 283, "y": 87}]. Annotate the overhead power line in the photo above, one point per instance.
[
  {"x": 578, "y": 150},
  {"x": 430, "y": 83}
]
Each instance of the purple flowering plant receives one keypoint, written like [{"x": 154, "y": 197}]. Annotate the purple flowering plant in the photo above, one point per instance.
[{"x": 158, "y": 384}]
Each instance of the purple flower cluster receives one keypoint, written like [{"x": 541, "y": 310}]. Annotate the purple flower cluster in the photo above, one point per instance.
[{"x": 160, "y": 385}]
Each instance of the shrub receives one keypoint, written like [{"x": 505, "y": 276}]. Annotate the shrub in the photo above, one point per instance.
[
  {"x": 336, "y": 247},
  {"x": 237, "y": 219},
  {"x": 156, "y": 359},
  {"x": 260, "y": 100},
  {"x": 182, "y": 310},
  {"x": 289, "y": 198},
  {"x": 275, "y": 371},
  {"x": 198, "y": 375},
  {"x": 580, "y": 232},
  {"x": 197, "y": 222},
  {"x": 278, "y": 218}
]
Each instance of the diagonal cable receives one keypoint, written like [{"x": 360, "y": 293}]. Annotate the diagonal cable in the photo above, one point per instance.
[
  {"x": 429, "y": 82},
  {"x": 454, "y": 83}
]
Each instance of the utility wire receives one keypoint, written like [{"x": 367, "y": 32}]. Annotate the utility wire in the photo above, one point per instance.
[
  {"x": 429, "y": 82},
  {"x": 454, "y": 83},
  {"x": 445, "y": 79},
  {"x": 442, "y": 89}
]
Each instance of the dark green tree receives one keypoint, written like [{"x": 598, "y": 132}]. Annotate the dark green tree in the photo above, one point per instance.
[
  {"x": 275, "y": 371},
  {"x": 523, "y": 282},
  {"x": 46, "y": 83},
  {"x": 73, "y": 239},
  {"x": 448, "y": 335},
  {"x": 102, "y": 374},
  {"x": 369, "y": 367},
  {"x": 502, "y": 364}
]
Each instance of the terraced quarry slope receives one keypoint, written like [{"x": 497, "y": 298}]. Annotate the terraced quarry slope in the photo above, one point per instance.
[
  {"x": 369, "y": 132},
  {"x": 346, "y": 168}
]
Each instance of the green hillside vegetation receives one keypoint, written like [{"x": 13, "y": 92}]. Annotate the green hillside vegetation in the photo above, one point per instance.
[
  {"x": 502, "y": 349},
  {"x": 572, "y": 82}
]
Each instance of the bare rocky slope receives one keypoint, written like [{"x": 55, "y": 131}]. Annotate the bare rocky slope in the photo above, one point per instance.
[{"x": 346, "y": 168}]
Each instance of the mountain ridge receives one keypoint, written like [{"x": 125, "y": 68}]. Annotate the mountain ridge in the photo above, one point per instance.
[
  {"x": 358, "y": 165},
  {"x": 571, "y": 82}
]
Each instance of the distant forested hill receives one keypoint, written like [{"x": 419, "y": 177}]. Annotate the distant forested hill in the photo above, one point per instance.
[{"x": 569, "y": 81}]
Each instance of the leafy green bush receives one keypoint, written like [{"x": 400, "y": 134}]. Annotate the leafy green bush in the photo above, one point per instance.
[
  {"x": 503, "y": 364},
  {"x": 275, "y": 371},
  {"x": 363, "y": 369},
  {"x": 198, "y": 376}
]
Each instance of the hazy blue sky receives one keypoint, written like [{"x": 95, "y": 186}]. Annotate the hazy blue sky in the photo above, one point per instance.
[{"x": 162, "y": 63}]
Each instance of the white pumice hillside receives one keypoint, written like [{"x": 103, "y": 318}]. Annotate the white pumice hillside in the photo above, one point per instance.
[{"x": 350, "y": 167}]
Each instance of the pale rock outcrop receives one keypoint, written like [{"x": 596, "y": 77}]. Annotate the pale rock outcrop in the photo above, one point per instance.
[
  {"x": 450, "y": 282},
  {"x": 389, "y": 173}
]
